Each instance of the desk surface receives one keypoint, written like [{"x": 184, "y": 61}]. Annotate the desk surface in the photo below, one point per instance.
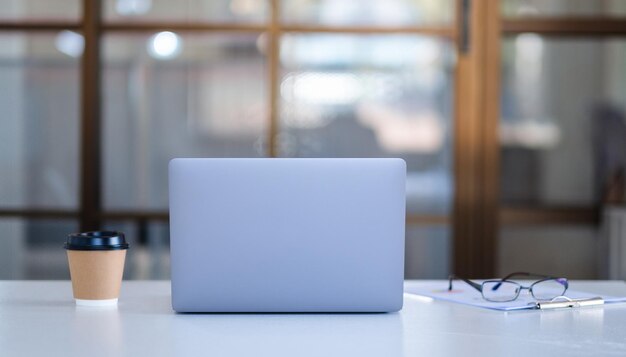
[{"x": 38, "y": 318}]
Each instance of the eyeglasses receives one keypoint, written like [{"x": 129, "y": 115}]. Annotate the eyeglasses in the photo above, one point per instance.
[{"x": 503, "y": 290}]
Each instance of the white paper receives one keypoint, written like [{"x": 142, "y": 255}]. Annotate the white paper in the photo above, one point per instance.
[{"x": 465, "y": 294}]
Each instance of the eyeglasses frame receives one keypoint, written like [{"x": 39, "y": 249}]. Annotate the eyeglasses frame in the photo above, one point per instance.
[{"x": 480, "y": 286}]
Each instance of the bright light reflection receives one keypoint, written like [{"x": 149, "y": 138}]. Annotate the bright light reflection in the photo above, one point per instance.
[
  {"x": 70, "y": 43},
  {"x": 527, "y": 10},
  {"x": 419, "y": 298},
  {"x": 261, "y": 43},
  {"x": 531, "y": 134},
  {"x": 164, "y": 45},
  {"x": 529, "y": 47},
  {"x": 133, "y": 7},
  {"x": 246, "y": 7},
  {"x": 321, "y": 88},
  {"x": 529, "y": 78},
  {"x": 399, "y": 132}
]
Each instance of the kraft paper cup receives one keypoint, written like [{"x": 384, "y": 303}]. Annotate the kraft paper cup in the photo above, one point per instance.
[{"x": 96, "y": 261}]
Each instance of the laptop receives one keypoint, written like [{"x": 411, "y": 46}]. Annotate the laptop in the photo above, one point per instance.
[{"x": 287, "y": 235}]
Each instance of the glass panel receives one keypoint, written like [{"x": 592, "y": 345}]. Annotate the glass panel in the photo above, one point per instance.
[
  {"x": 563, "y": 8},
  {"x": 149, "y": 254},
  {"x": 428, "y": 252},
  {"x": 189, "y": 10},
  {"x": 39, "y": 123},
  {"x": 369, "y": 12},
  {"x": 372, "y": 96},
  {"x": 34, "y": 10},
  {"x": 563, "y": 128},
  {"x": 169, "y": 96},
  {"x": 33, "y": 249},
  {"x": 564, "y": 251}
]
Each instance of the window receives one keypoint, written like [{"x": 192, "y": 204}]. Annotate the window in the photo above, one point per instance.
[
  {"x": 148, "y": 80},
  {"x": 562, "y": 131},
  {"x": 98, "y": 95}
]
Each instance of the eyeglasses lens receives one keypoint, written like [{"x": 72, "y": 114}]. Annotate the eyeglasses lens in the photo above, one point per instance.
[
  {"x": 500, "y": 291},
  {"x": 549, "y": 289}
]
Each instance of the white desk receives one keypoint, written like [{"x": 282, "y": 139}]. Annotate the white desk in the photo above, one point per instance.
[{"x": 40, "y": 319}]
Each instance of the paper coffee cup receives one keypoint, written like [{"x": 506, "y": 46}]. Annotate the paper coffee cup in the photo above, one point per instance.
[{"x": 96, "y": 262}]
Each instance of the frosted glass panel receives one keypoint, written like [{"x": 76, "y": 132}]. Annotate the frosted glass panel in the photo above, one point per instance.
[
  {"x": 369, "y": 12},
  {"x": 563, "y": 126},
  {"x": 254, "y": 11},
  {"x": 563, "y": 8},
  {"x": 372, "y": 96},
  {"x": 428, "y": 252},
  {"x": 569, "y": 251},
  {"x": 34, "y": 10},
  {"x": 39, "y": 123},
  {"x": 33, "y": 248},
  {"x": 178, "y": 96}
]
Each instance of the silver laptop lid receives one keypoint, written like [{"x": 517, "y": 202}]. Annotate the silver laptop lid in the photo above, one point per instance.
[{"x": 299, "y": 235}]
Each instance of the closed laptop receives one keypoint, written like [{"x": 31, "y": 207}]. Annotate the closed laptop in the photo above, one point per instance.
[{"x": 287, "y": 235}]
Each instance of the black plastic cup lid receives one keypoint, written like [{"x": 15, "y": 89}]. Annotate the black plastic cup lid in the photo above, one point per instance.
[{"x": 99, "y": 240}]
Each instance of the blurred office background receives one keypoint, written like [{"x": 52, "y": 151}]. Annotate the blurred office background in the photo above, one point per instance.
[{"x": 306, "y": 78}]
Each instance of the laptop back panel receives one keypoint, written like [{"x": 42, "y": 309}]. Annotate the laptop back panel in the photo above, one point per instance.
[{"x": 287, "y": 235}]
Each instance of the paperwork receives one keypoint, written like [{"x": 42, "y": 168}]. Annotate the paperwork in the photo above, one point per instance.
[{"x": 464, "y": 294}]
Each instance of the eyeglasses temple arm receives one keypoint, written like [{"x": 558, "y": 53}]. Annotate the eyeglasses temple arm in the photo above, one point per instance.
[{"x": 473, "y": 284}]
